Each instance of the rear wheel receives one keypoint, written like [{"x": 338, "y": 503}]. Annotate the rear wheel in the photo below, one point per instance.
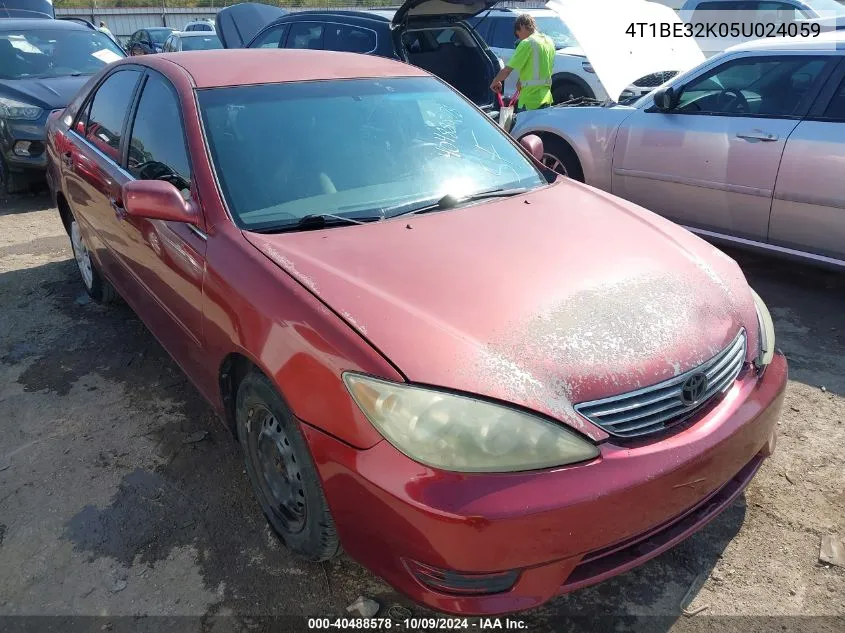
[
  {"x": 561, "y": 158},
  {"x": 564, "y": 90},
  {"x": 282, "y": 472},
  {"x": 96, "y": 287}
]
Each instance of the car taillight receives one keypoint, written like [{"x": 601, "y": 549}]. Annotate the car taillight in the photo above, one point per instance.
[{"x": 459, "y": 583}]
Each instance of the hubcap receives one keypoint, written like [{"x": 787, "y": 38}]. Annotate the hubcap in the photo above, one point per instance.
[
  {"x": 80, "y": 252},
  {"x": 279, "y": 471},
  {"x": 554, "y": 164}
]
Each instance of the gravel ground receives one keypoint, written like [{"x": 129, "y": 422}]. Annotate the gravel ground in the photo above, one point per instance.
[{"x": 122, "y": 495}]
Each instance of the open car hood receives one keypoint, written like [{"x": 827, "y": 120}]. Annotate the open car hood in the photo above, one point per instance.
[
  {"x": 238, "y": 24},
  {"x": 456, "y": 9},
  {"x": 619, "y": 58}
]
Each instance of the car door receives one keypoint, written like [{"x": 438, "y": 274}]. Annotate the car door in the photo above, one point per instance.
[
  {"x": 808, "y": 210},
  {"x": 711, "y": 162},
  {"x": 92, "y": 172},
  {"x": 165, "y": 259}
]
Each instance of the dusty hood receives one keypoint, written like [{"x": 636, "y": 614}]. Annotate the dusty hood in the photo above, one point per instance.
[
  {"x": 618, "y": 58},
  {"x": 565, "y": 295}
]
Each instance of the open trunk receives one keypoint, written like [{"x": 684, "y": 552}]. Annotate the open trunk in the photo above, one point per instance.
[{"x": 453, "y": 54}]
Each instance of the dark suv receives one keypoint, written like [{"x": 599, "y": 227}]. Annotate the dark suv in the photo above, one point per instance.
[
  {"x": 148, "y": 41},
  {"x": 431, "y": 34}
]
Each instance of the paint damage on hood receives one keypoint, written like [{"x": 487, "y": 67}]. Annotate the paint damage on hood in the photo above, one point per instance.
[
  {"x": 618, "y": 58},
  {"x": 559, "y": 296}
]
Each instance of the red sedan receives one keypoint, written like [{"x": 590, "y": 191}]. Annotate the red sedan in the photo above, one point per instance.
[{"x": 489, "y": 384}]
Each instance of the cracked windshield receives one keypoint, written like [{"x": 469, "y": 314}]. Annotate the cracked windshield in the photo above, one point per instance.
[{"x": 358, "y": 149}]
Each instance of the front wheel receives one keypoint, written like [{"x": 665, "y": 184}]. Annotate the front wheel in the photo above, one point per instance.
[
  {"x": 281, "y": 471},
  {"x": 561, "y": 158},
  {"x": 565, "y": 91},
  {"x": 97, "y": 288}
]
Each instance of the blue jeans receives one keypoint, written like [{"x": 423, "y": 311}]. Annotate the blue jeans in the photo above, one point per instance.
[{"x": 519, "y": 109}]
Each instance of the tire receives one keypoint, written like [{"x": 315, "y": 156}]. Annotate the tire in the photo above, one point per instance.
[
  {"x": 282, "y": 473},
  {"x": 13, "y": 183},
  {"x": 560, "y": 157},
  {"x": 97, "y": 288},
  {"x": 564, "y": 90}
]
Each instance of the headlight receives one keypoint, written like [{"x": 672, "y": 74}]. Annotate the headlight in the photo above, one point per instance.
[
  {"x": 463, "y": 434},
  {"x": 11, "y": 109},
  {"x": 766, "y": 350}
]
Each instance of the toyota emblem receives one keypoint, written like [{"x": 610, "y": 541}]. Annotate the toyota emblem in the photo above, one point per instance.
[{"x": 694, "y": 389}]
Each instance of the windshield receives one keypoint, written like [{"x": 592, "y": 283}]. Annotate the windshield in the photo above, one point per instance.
[
  {"x": 26, "y": 8},
  {"x": 202, "y": 43},
  {"x": 47, "y": 53},
  {"x": 556, "y": 29},
  {"x": 359, "y": 148},
  {"x": 160, "y": 35},
  {"x": 826, "y": 7}
]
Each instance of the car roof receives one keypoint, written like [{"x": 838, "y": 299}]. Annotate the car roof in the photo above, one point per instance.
[
  {"x": 833, "y": 41},
  {"x": 31, "y": 24},
  {"x": 243, "y": 66}
]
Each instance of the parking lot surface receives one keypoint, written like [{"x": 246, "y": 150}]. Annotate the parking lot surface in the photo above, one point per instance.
[{"x": 121, "y": 494}]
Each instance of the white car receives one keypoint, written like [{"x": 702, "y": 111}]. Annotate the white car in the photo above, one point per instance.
[
  {"x": 200, "y": 25},
  {"x": 574, "y": 76}
]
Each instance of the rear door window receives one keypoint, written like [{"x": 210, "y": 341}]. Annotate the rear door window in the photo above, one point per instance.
[
  {"x": 109, "y": 108},
  {"x": 305, "y": 35},
  {"x": 352, "y": 39}
]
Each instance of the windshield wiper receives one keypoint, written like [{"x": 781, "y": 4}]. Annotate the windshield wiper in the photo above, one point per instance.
[
  {"x": 317, "y": 221},
  {"x": 450, "y": 201}
]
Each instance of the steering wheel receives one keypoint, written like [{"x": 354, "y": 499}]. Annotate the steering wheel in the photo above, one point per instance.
[{"x": 732, "y": 100}]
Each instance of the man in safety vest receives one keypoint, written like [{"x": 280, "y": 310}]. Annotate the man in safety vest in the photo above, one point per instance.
[{"x": 533, "y": 59}]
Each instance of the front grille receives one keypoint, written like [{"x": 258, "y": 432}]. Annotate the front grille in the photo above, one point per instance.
[
  {"x": 655, "y": 79},
  {"x": 656, "y": 408}
]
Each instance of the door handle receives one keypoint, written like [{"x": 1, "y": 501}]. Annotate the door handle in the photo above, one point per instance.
[{"x": 757, "y": 136}]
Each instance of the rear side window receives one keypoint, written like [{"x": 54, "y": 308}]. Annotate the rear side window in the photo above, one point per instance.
[
  {"x": 341, "y": 37},
  {"x": 271, "y": 38},
  {"x": 108, "y": 111},
  {"x": 157, "y": 148},
  {"x": 305, "y": 35},
  {"x": 501, "y": 33}
]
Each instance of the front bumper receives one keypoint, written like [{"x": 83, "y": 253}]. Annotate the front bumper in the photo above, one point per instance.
[
  {"x": 562, "y": 529},
  {"x": 13, "y": 131}
]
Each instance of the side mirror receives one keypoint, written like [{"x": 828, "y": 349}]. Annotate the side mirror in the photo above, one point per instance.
[
  {"x": 665, "y": 99},
  {"x": 157, "y": 200},
  {"x": 533, "y": 144}
]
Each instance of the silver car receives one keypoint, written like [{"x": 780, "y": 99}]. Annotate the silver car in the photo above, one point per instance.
[{"x": 747, "y": 149}]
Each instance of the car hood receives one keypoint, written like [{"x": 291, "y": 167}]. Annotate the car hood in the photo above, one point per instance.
[
  {"x": 618, "y": 58},
  {"x": 544, "y": 300},
  {"x": 238, "y": 24},
  {"x": 560, "y": 296},
  {"x": 48, "y": 93}
]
